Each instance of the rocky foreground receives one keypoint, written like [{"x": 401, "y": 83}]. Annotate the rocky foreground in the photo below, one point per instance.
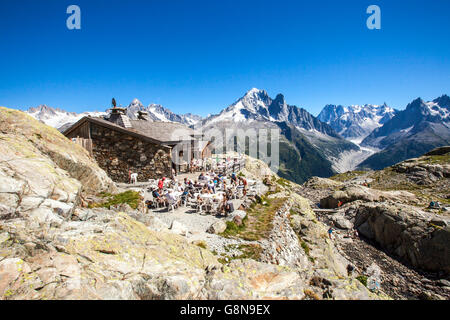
[
  {"x": 52, "y": 246},
  {"x": 408, "y": 240}
]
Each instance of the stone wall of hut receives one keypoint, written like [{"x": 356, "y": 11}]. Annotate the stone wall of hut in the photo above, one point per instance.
[{"x": 117, "y": 153}]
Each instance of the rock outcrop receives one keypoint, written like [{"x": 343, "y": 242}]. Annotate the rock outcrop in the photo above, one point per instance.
[
  {"x": 391, "y": 207},
  {"x": 353, "y": 193},
  {"x": 418, "y": 238},
  {"x": 43, "y": 175},
  {"x": 424, "y": 171},
  {"x": 34, "y": 147}
]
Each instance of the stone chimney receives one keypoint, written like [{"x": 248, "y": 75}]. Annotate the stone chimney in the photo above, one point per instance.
[
  {"x": 142, "y": 115},
  {"x": 119, "y": 117}
]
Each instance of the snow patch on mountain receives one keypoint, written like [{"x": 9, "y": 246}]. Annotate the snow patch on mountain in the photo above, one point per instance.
[
  {"x": 356, "y": 122},
  {"x": 56, "y": 117},
  {"x": 256, "y": 105},
  {"x": 438, "y": 111},
  {"x": 157, "y": 112},
  {"x": 411, "y": 122}
]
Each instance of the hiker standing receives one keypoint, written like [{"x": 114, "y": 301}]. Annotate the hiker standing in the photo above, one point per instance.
[
  {"x": 350, "y": 269},
  {"x": 244, "y": 183},
  {"x": 330, "y": 231}
]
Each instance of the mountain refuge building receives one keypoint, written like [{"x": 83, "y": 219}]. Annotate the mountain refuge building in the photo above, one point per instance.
[{"x": 120, "y": 144}]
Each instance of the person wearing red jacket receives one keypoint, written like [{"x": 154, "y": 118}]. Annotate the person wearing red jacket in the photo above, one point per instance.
[{"x": 161, "y": 184}]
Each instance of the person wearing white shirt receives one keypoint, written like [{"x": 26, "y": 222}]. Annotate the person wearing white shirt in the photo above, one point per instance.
[
  {"x": 212, "y": 186},
  {"x": 170, "y": 197}
]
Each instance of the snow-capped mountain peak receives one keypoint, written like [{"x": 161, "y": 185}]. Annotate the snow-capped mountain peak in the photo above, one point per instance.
[
  {"x": 443, "y": 101},
  {"x": 356, "y": 121},
  {"x": 417, "y": 116},
  {"x": 56, "y": 117},
  {"x": 253, "y": 101},
  {"x": 161, "y": 113},
  {"x": 246, "y": 109},
  {"x": 256, "y": 105},
  {"x": 157, "y": 112},
  {"x": 419, "y": 128},
  {"x": 136, "y": 102},
  {"x": 436, "y": 110}
]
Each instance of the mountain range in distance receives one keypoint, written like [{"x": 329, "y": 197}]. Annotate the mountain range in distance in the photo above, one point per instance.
[
  {"x": 339, "y": 139},
  {"x": 421, "y": 127},
  {"x": 356, "y": 122},
  {"x": 61, "y": 119}
]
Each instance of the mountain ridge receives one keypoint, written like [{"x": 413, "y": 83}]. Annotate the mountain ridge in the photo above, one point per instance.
[
  {"x": 422, "y": 126},
  {"x": 257, "y": 105},
  {"x": 61, "y": 119},
  {"x": 356, "y": 122}
]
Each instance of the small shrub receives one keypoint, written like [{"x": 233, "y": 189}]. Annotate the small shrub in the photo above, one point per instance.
[
  {"x": 201, "y": 244},
  {"x": 283, "y": 182},
  {"x": 232, "y": 228},
  {"x": 132, "y": 198},
  {"x": 305, "y": 247},
  {"x": 250, "y": 251},
  {"x": 362, "y": 279}
]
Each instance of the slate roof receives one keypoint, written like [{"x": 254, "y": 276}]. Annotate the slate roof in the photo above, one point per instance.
[
  {"x": 163, "y": 131},
  {"x": 159, "y": 132}
]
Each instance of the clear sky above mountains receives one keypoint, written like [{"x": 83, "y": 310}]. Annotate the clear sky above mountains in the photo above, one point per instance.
[{"x": 200, "y": 56}]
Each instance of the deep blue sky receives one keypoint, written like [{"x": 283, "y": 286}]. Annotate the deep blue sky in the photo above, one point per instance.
[{"x": 200, "y": 56}]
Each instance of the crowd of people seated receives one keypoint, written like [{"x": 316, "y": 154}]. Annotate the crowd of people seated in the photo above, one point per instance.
[{"x": 210, "y": 190}]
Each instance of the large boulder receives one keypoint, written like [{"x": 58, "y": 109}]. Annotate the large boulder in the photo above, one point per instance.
[
  {"x": 427, "y": 169},
  {"x": 341, "y": 222},
  {"x": 415, "y": 236},
  {"x": 314, "y": 239},
  {"x": 217, "y": 227},
  {"x": 43, "y": 175},
  {"x": 40, "y": 158},
  {"x": 353, "y": 193}
]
